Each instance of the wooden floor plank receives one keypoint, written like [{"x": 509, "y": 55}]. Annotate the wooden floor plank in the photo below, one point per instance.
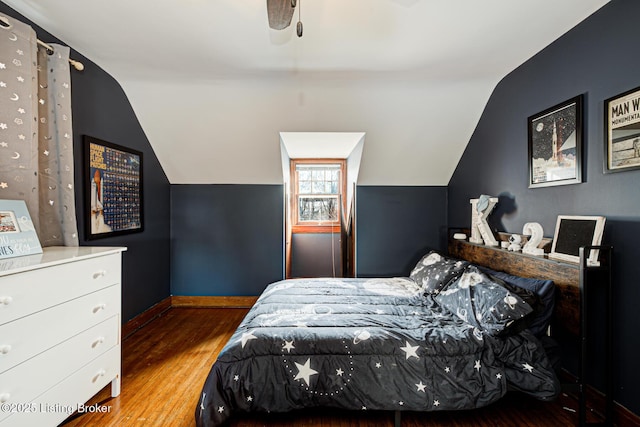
[{"x": 165, "y": 363}]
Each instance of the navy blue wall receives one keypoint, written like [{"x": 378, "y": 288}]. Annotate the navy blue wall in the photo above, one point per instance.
[
  {"x": 229, "y": 239},
  {"x": 396, "y": 226},
  {"x": 101, "y": 109},
  {"x": 226, "y": 239},
  {"x": 597, "y": 58},
  {"x": 312, "y": 253}
]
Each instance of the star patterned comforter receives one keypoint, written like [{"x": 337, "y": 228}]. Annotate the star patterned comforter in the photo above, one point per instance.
[{"x": 363, "y": 344}]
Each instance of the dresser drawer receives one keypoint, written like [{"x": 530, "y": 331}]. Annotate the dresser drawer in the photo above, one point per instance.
[
  {"x": 28, "y": 336},
  {"x": 25, "y": 382},
  {"x": 31, "y": 291},
  {"x": 57, "y": 403}
]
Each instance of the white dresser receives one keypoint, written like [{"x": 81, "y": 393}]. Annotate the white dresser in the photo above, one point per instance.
[{"x": 59, "y": 332}]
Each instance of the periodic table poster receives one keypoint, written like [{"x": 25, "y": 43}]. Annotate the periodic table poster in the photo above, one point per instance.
[{"x": 113, "y": 189}]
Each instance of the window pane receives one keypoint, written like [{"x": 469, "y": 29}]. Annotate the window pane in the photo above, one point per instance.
[
  {"x": 317, "y": 187},
  {"x": 305, "y": 187},
  {"x": 318, "y": 179},
  {"x": 304, "y": 174},
  {"x": 328, "y": 187},
  {"x": 318, "y": 209}
]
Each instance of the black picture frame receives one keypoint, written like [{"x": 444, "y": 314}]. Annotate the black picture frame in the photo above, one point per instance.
[
  {"x": 622, "y": 132},
  {"x": 113, "y": 189},
  {"x": 555, "y": 144}
]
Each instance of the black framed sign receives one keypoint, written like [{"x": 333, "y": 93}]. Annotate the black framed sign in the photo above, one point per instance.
[
  {"x": 622, "y": 132},
  {"x": 555, "y": 145},
  {"x": 574, "y": 231},
  {"x": 113, "y": 189}
]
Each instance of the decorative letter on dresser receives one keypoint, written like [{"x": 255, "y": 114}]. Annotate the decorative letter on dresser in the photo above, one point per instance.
[{"x": 59, "y": 332}]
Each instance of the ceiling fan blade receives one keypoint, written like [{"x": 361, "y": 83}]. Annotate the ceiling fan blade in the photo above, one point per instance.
[{"x": 280, "y": 13}]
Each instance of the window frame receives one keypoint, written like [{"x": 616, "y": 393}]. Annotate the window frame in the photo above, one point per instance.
[{"x": 316, "y": 226}]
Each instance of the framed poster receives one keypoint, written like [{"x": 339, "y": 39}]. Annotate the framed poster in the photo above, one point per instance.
[
  {"x": 555, "y": 145},
  {"x": 113, "y": 189},
  {"x": 17, "y": 233},
  {"x": 622, "y": 132},
  {"x": 573, "y": 232}
]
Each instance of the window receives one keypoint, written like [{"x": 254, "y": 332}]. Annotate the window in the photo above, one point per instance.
[{"x": 318, "y": 186}]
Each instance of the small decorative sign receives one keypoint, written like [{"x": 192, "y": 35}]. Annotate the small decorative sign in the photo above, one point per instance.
[
  {"x": 17, "y": 234},
  {"x": 573, "y": 232}
]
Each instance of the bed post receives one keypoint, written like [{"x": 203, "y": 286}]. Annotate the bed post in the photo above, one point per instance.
[{"x": 397, "y": 419}]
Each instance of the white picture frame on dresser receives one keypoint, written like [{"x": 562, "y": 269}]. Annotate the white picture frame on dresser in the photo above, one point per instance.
[
  {"x": 18, "y": 235},
  {"x": 60, "y": 323}
]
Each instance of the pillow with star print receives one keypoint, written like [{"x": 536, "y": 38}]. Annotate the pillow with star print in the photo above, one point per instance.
[
  {"x": 485, "y": 304},
  {"x": 434, "y": 271},
  {"x": 544, "y": 291}
]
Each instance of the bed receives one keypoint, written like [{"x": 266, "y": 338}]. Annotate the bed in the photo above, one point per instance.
[{"x": 453, "y": 335}]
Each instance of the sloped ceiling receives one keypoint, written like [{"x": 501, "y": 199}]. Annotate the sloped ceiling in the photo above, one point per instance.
[{"x": 213, "y": 86}]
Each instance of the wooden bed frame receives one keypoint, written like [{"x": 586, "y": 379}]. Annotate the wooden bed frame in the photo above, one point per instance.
[
  {"x": 572, "y": 280},
  {"x": 566, "y": 277}
]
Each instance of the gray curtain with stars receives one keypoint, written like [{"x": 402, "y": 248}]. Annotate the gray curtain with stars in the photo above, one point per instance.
[{"x": 36, "y": 142}]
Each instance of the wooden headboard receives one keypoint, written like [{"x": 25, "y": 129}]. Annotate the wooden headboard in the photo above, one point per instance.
[{"x": 565, "y": 275}]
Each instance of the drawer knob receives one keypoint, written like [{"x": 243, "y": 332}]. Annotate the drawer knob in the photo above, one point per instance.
[
  {"x": 100, "y": 373},
  {"x": 6, "y": 300},
  {"x": 97, "y": 342},
  {"x": 4, "y": 349},
  {"x": 99, "y": 274},
  {"x": 4, "y": 397},
  {"x": 99, "y": 307}
]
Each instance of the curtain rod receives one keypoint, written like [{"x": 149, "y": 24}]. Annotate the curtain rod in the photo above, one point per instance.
[{"x": 76, "y": 64}]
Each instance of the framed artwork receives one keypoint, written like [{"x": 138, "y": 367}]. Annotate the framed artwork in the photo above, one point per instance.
[
  {"x": 113, "y": 189},
  {"x": 573, "y": 232},
  {"x": 555, "y": 145},
  {"x": 17, "y": 233},
  {"x": 622, "y": 132}
]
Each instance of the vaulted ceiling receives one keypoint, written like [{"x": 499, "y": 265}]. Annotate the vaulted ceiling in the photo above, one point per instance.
[{"x": 213, "y": 86}]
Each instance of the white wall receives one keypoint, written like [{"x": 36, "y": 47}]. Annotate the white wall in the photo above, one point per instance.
[{"x": 413, "y": 135}]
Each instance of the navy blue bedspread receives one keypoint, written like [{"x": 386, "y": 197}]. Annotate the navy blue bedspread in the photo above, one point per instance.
[{"x": 365, "y": 344}]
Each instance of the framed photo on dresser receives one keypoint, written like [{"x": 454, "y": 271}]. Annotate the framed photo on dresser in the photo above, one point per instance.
[
  {"x": 113, "y": 189},
  {"x": 18, "y": 235}
]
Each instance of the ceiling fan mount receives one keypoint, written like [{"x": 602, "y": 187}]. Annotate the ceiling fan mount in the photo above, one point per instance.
[{"x": 280, "y": 13}]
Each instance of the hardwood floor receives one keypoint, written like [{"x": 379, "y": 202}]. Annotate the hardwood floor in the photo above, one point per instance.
[{"x": 165, "y": 363}]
